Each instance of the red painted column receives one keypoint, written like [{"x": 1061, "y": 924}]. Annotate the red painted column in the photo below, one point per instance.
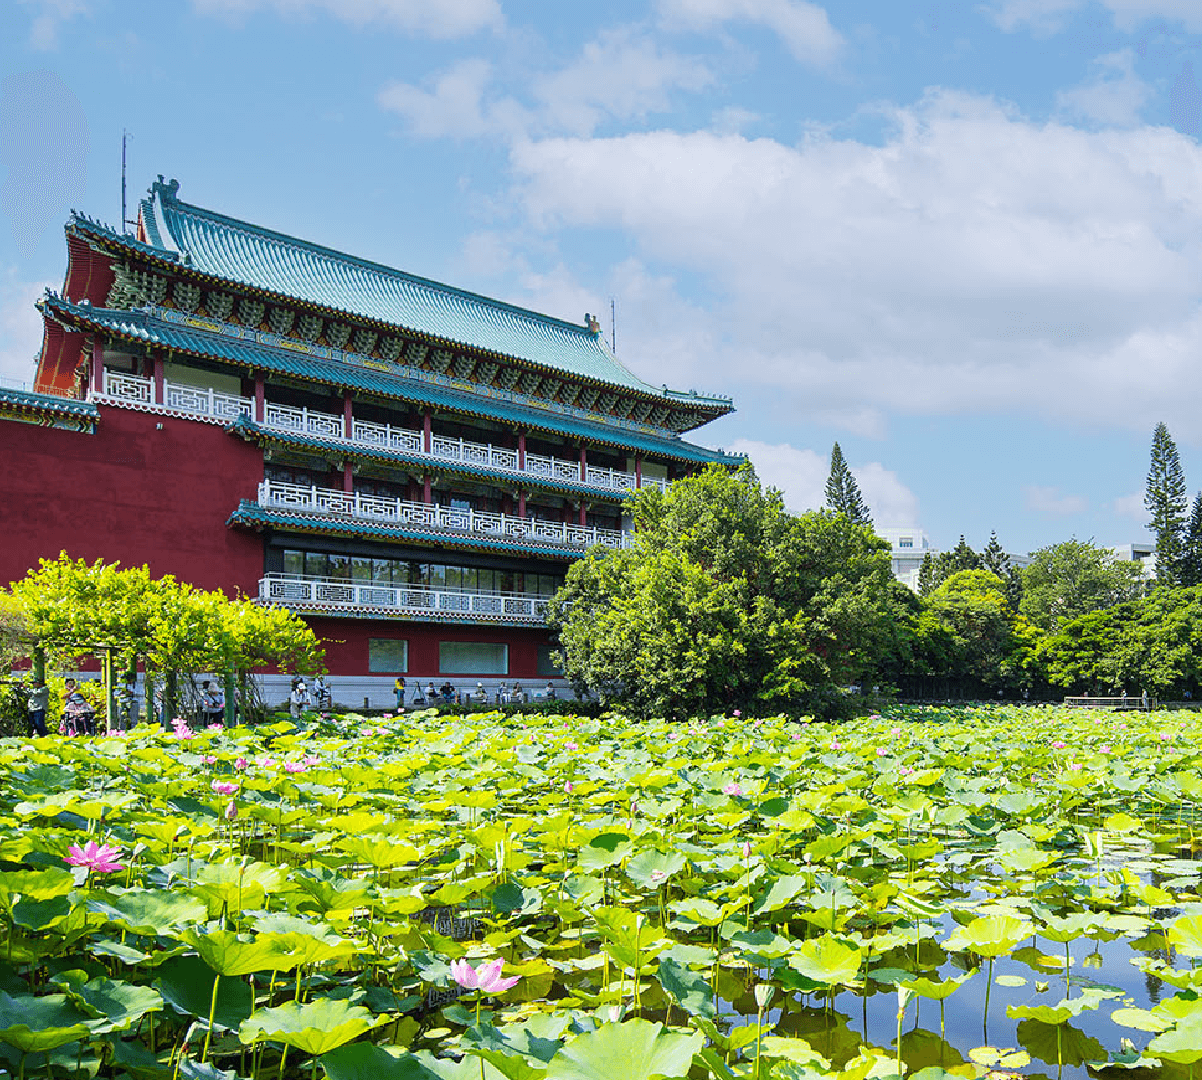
[
  {"x": 583, "y": 465},
  {"x": 427, "y": 437},
  {"x": 97, "y": 368},
  {"x": 521, "y": 504},
  {"x": 348, "y": 421},
  {"x": 583, "y": 520},
  {"x": 260, "y": 398},
  {"x": 426, "y": 489},
  {"x": 348, "y": 477},
  {"x": 521, "y": 451},
  {"x": 160, "y": 394},
  {"x": 638, "y": 470}
]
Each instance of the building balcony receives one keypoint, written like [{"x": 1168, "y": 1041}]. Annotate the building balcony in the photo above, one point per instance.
[
  {"x": 139, "y": 391},
  {"x": 382, "y": 510},
  {"x": 381, "y": 600}
]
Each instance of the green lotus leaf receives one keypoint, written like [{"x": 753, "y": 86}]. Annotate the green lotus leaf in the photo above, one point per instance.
[
  {"x": 1065, "y": 1010},
  {"x": 1141, "y": 1020},
  {"x": 690, "y": 990},
  {"x": 781, "y": 892},
  {"x": 634, "y": 1050},
  {"x": 34, "y": 885},
  {"x": 314, "y": 1027},
  {"x": 36, "y": 1024},
  {"x": 1182, "y": 1045},
  {"x": 364, "y": 1061},
  {"x": 229, "y": 954},
  {"x": 798, "y": 1051},
  {"x": 937, "y": 991},
  {"x": 115, "y": 1004},
  {"x": 1185, "y": 935},
  {"x": 989, "y": 935},
  {"x": 827, "y": 960},
  {"x": 149, "y": 911},
  {"x": 650, "y": 869},
  {"x": 186, "y": 983}
]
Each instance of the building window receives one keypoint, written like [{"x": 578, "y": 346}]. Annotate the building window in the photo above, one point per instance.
[
  {"x": 387, "y": 655},
  {"x": 906, "y": 542},
  {"x": 546, "y": 661},
  {"x": 472, "y": 658}
]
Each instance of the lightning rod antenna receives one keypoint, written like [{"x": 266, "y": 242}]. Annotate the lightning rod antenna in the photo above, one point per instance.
[
  {"x": 123, "y": 138},
  {"x": 613, "y": 326}
]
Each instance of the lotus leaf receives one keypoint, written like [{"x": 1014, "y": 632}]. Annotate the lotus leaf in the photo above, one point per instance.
[
  {"x": 315, "y": 1027},
  {"x": 827, "y": 960},
  {"x": 633, "y": 1050},
  {"x": 35, "y": 1024}
]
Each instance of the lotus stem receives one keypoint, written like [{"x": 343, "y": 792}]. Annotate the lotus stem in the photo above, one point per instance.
[{"x": 204, "y": 1054}]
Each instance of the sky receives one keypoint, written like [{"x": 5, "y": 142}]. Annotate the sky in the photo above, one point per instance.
[{"x": 962, "y": 239}]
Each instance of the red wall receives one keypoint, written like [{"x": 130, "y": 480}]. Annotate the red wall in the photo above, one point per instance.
[
  {"x": 132, "y": 492},
  {"x": 346, "y": 647}
]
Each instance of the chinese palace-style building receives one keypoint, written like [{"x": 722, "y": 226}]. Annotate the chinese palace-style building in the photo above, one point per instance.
[{"x": 409, "y": 466}]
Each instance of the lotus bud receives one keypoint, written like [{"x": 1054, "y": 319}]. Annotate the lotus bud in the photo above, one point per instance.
[{"x": 763, "y": 995}]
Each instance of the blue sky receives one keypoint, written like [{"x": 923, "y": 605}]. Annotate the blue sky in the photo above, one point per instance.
[{"x": 963, "y": 239}]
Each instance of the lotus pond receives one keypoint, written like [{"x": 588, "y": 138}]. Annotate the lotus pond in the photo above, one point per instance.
[{"x": 931, "y": 892}]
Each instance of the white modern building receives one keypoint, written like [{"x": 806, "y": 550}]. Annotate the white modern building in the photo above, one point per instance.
[{"x": 910, "y": 545}]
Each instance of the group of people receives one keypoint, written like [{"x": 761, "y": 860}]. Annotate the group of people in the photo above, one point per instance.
[
  {"x": 300, "y": 699},
  {"x": 448, "y": 695}
]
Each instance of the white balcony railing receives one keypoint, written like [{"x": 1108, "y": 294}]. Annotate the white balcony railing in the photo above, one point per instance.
[
  {"x": 305, "y": 592},
  {"x": 140, "y": 389},
  {"x": 385, "y": 510},
  {"x": 197, "y": 400}
]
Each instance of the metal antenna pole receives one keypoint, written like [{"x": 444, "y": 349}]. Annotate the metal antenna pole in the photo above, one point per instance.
[
  {"x": 613, "y": 326},
  {"x": 123, "y": 135}
]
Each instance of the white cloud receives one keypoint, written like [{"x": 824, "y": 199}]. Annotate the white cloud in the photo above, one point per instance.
[
  {"x": 803, "y": 27},
  {"x": 432, "y": 18},
  {"x": 1049, "y": 500},
  {"x": 801, "y": 477},
  {"x": 49, "y": 16},
  {"x": 622, "y": 75},
  {"x": 20, "y": 328},
  {"x": 974, "y": 260},
  {"x": 1047, "y": 16},
  {"x": 453, "y": 106},
  {"x": 1114, "y": 94},
  {"x": 1131, "y": 506}
]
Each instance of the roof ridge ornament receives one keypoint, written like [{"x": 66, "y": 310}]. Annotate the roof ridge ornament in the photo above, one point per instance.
[{"x": 165, "y": 189}]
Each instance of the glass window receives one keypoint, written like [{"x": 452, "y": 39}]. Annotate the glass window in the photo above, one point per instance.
[
  {"x": 546, "y": 661},
  {"x": 460, "y": 502},
  {"x": 473, "y": 658},
  {"x": 504, "y": 580},
  {"x": 453, "y": 577},
  {"x": 467, "y": 578},
  {"x": 486, "y": 580},
  {"x": 438, "y": 576},
  {"x": 340, "y": 567},
  {"x": 360, "y": 568},
  {"x": 315, "y": 564},
  {"x": 381, "y": 570},
  {"x": 387, "y": 654},
  {"x": 294, "y": 563}
]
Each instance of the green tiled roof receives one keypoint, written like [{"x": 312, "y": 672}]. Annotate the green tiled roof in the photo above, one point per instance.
[
  {"x": 29, "y": 401},
  {"x": 142, "y": 326},
  {"x": 246, "y": 254}
]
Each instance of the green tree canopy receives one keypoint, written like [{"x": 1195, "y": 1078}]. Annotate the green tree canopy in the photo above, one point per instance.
[
  {"x": 988, "y": 641},
  {"x": 1165, "y": 499},
  {"x": 1067, "y": 580},
  {"x": 843, "y": 493},
  {"x": 73, "y": 608},
  {"x": 727, "y": 601}
]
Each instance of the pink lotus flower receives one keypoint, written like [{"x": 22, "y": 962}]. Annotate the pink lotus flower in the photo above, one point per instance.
[
  {"x": 1165, "y": 736},
  {"x": 215, "y": 727},
  {"x": 1059, "y": 745},
  {"x": 657, "y": 876},
  {"x": 733, "y": 790},
  {"x": 183, "y": 733},
  {"x": 895, "y": 731},
  {"x": 568, "y": 786},
  {"x": 719, "y": 723},
  {"x": 746, "y": 849},
  {"x": 571, "y": 746},
  {"x": 796, "y": 736},
  {"x": 487, "y": 978},
  {"x": 224, "y": 787},
  {"x": 267, "y": 762},
  {"x": 1104, "y": 748},
  {"x": 294, "y": 766},
  {"x": 836, "y": 745},
  {"x": 311, "y": 760},
  {"x": 905, "y": 770},
  {"x": 210, "y": 759},
  {"x": 881, "y": 751},
  {"x": 387, "y": 716},
  {"x": 231, "y": 811},
  {"x": 737, "y": 713},
  {"x": 241, "y": 764},
  {"x": 1074, "y": 766},
  {"x": 97, "y": 858}
]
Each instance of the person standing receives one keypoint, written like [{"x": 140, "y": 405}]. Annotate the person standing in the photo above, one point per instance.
[
  {"x": 298, "y": 701},
  {"x": 398, "y": 688},
  {"x": 39, "y": 702}
]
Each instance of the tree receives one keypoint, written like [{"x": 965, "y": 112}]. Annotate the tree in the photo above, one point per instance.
[
  {"x": 926, "y": 575},
  {"x": 1065, "y": 581},
  {"x": 994, "y": 558},
  {"x": 935, "y": 570},
  {"x": 989, "y": 643},
  {"x": 1191, "y": 555},
  {"x": 1165, "y": 499},
  {"x": 725, "y": 601},
  {"x": 843, "y": 493}
]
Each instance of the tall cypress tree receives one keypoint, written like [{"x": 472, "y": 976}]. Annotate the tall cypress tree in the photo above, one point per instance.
[
  {"x": 1166, "y": 501},
  {"x": 1191, "y": 556},
  {"x": 994, "y": 558},
  {"x": 843, "y": 493}
]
